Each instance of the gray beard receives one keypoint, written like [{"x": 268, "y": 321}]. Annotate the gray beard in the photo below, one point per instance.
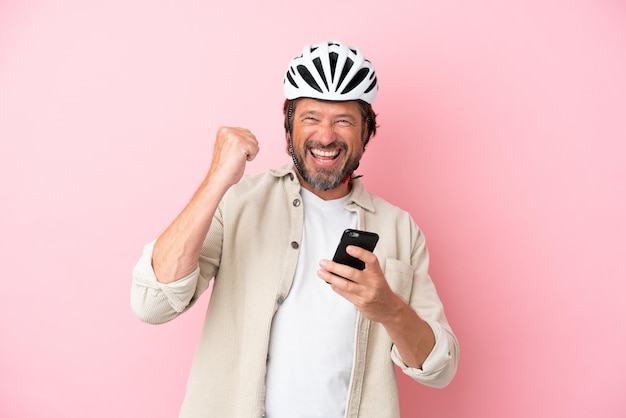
[
  {"x": 322, "y": 181},
  {"x": 328, "y": 179}
]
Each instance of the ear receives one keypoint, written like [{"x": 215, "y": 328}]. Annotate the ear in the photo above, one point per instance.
[
  {"x": 287, "y": 143},
  {"x": 366, "y": 132}
]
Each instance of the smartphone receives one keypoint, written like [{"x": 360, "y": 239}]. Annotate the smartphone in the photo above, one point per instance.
[{"x": 363, "y": 239}]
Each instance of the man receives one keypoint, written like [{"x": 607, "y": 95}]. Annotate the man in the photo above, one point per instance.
[{"x": 288, "y": 332}]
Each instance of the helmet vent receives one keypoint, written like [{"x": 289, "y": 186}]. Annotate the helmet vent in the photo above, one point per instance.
[
  {"x": 345, "y": 70},
  {"x": 290, "y": 78},
  {"x": 318, "y": 66},
  {"x": 356, "y": 80},
  {"x": 371, "y": 86},
  {"x": 333, "y": 64},
  {"x": 308, "y": 78}
]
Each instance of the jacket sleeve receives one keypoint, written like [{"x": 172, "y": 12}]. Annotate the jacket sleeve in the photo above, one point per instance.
[
  {"x": 440, "y": 366},
  {"x": 154, "y": 302}
]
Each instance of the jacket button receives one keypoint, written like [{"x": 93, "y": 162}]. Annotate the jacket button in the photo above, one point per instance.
[
  {"x": 294, "y": 245},
  {"x": 280, "y": 300},
  {"x": 296, "y": 202}
]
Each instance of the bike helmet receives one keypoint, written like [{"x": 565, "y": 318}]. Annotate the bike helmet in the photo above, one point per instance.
[{"x": 331, "y": 71}]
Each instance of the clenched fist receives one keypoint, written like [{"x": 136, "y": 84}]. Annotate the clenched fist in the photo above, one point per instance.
[{"x": 233, "y": 148}]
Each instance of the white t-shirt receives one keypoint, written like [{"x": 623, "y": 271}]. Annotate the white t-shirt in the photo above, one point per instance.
[{"x": 312, "y": 341}]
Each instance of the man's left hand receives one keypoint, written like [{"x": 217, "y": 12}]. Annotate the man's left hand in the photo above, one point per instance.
[{"x": 367, "y": 289}]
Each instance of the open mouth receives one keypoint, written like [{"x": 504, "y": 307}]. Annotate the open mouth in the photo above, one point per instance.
[{"x": 325, "y": 154}]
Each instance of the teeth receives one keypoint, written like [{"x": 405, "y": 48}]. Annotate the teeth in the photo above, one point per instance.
[{"x": 322, "y": 153}]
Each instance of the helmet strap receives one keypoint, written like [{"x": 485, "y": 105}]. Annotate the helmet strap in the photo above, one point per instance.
[
  {"x": 293, "y": 155},
  {"x": 290, "y": 116},
  {"x": 289, "y": 140}
]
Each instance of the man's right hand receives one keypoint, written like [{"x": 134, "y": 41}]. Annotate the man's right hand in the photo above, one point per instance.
[{"x": 233, "y": 148}]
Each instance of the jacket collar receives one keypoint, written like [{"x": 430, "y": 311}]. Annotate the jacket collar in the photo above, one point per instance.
[{"x": 360, "y": 196}]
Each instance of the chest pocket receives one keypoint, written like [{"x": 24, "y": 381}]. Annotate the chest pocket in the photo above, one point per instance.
[{"x": 399, "y": 275}]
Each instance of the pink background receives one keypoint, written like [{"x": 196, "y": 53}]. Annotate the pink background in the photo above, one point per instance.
[{"x": 502, "y": 130}]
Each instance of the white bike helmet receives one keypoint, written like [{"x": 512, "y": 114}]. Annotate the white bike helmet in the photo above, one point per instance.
[{"x": 331, "y": 71}]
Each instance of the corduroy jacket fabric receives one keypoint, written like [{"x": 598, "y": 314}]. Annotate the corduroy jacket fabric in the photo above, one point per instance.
[{"x": 251, "y": 252}]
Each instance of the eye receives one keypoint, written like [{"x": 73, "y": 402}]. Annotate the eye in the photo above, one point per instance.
[{"x": 344, "y": 122}]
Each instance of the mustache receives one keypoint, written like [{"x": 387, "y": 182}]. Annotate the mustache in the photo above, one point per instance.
[{"x": 311, "y": 143}]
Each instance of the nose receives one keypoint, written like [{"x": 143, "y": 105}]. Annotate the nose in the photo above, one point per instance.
[{"x": 326, "y": 133}]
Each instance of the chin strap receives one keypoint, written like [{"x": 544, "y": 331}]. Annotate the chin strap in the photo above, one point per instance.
[
  {"x": 293, "y": 156},
  {"x": 350, "y": 177}
]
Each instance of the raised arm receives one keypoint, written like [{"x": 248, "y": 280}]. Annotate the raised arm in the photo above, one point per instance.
[{"x": 177, "y": 250}]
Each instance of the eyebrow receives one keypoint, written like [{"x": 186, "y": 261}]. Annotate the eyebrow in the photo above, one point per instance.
[{"x": 317, "y": 113}]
